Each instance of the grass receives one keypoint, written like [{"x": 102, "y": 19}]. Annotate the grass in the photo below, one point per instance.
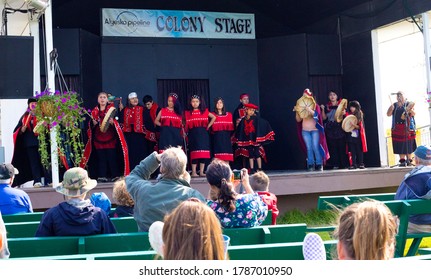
[{"x": 312, "y": 218}]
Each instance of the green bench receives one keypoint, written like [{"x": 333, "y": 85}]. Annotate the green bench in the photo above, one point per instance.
[
  {"x": 28, "y": 229},
  {"x": 325, "y": 202},
  {"x": 400, "y": 208},
  {"x": 23, "y": 217},
  {"x": 275, "y": 251},
  {"x": 138, "y": 241}
]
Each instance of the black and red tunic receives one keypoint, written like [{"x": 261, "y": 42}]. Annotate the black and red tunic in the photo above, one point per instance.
[
  {"x": 221, "y": 132},
  {"x": 253, "y": 132},
  {"x": 133, "y": 119},
  {"x": 198, "y": 137},
  {"x": 170, "y": 130},
  {"x": 132, "y": 123}
]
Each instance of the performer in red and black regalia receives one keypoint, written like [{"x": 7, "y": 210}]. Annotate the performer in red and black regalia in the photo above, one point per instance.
[
  {"x": 239, "y": 112},
  {"x": 251, "y": 134},
  {"x": 170, "y": 121},
  {"x": 152, "y": 133},
  {"x": 132, "y": 122},
  {"x": 198, "y": 122},
  {"x": 26, "y": 157},
  {"x": 106, "y": 143},
  {"x": 222, "y": 131}
]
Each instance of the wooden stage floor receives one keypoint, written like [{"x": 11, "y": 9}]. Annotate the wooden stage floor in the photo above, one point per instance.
[{"x": 294, "y": 189}]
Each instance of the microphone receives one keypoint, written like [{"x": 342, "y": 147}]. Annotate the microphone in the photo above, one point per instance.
[{"x": 313, "y": 247}]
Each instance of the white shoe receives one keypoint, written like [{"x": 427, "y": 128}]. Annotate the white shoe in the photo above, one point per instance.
[{"x": 37, "y": 185}]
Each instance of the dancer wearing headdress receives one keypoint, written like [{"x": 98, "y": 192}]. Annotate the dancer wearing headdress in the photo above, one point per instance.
[
  {"x": 132, "y": 123},
  {"x": 251, "y": 134},
  {"x": 311, "y": 133}
]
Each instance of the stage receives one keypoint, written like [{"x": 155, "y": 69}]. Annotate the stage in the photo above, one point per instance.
[{"x": 294, "y": 189}]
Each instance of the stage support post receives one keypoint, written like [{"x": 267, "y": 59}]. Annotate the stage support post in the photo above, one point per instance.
[
  {"x": 50, "y": 81},
  {"x": 427, "y": 48}
]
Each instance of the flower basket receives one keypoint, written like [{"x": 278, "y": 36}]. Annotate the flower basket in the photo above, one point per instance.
[
  {"x": 47, "y": 107},
  {"x": 63, "y": 112}
]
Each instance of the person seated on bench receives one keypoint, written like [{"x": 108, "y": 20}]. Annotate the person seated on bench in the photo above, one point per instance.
[
  {"x": 76, "y": 216},
  {"x": 191, "y": 232},
  {"x": 101, "y": 200},
  {"x": 233, "y": 209},
  {"x": 417, "y": 185},
  {"x": 366, "y": 231},
  {"x": 4, "y": 251},
  {"x": 123, "y": 200},
  {"x": 12, "y": 200},
  {"x": 154, "y": 200},
  {"x": 259, "y": 182}
]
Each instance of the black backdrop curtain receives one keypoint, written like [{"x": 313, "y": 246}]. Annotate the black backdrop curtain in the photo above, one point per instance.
[
  {"x": 72, "y": 82},
  {"x": 185, "y": 88},
  {"x": 321, "y": 85}
]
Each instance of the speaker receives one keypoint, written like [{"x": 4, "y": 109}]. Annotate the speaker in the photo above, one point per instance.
[{"x": 16, "y": 67}]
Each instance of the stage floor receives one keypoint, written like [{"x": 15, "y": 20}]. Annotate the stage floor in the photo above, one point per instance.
[{"x": 294, "y": 189}]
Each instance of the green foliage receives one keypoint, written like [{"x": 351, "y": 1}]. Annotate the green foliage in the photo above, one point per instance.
[
  {"x": 312, "y": 217},
  {"x": 63, "y": 112}
]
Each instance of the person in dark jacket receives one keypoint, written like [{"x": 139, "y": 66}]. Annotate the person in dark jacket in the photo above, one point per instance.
[
  {"x": 76, "y": 216},
  {"x": 417, "y": 185}
]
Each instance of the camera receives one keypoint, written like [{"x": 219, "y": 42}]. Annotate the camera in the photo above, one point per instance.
[{"x": 236, "y": 174}]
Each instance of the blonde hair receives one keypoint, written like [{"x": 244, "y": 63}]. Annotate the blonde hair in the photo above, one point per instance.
[
  {"x": 173, "y": 163},
  {"x": 259, "y": 182},
  {"x": 120, "y": 193},
  {"x": 192, "y": 232},
  {"x": 367, "y": 230}
]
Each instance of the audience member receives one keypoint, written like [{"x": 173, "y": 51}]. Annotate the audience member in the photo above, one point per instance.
[
  {"x": 4, "y": 251},
  {"x": 259, "y": 182},
  {"x": 123, "y": 200},
  {"x": 76, "y": 215},
  {"x": 12, "y": 200},
  {"x": 101, "y": 200},
  {"x": 192, "y": 232},
  {"x": 417, "y": 185},
  {"x": 154, "y": 200},
  {"x": 233, "y": 209},
  {"x": 366, "y": 231}
]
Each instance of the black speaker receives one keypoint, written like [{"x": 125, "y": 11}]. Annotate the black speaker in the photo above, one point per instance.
[{"x": 16, "y": 67}]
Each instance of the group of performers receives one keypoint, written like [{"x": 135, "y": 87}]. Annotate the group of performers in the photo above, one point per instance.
[
  {"x": 333, "y": 135},
  {"x": 119, "y": 137}
]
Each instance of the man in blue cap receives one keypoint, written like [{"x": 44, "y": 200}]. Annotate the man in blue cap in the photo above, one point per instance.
[{"x": 417, "y": 185}]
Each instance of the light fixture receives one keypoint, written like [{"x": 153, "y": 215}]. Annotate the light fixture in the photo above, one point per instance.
[{"x": 39, "y": 5}]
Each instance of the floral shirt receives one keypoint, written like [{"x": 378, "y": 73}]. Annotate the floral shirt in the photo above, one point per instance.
[{"x": 250, "y": 211}]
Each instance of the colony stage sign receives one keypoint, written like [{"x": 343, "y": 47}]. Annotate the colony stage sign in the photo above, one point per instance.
[{"x": 177, "y": 24}]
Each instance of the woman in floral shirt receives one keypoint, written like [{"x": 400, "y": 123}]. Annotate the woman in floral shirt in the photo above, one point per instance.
[{"x": 233, "y": 209}]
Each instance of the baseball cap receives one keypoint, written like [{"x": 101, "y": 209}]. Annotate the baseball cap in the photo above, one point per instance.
[{"x": 7, "y": 171}]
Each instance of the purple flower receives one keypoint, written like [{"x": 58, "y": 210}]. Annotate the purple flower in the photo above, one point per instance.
[
  {"x": 63, "y": 100},
  {"x": 54, "y": 124}
]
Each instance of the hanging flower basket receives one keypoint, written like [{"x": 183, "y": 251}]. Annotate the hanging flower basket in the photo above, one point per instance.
[
  {"x": 63, "y": 112},
  {"x": 47, "y": 107}
]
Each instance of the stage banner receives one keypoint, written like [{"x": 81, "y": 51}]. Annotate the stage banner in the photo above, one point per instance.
[{"x": 177, "y": 24}]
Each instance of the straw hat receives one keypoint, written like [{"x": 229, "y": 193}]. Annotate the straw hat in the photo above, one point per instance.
[{"x": 346, "y": 125}]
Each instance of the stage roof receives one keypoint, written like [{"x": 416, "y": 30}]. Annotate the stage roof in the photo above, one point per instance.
[{"x": 273, "y": 17}]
